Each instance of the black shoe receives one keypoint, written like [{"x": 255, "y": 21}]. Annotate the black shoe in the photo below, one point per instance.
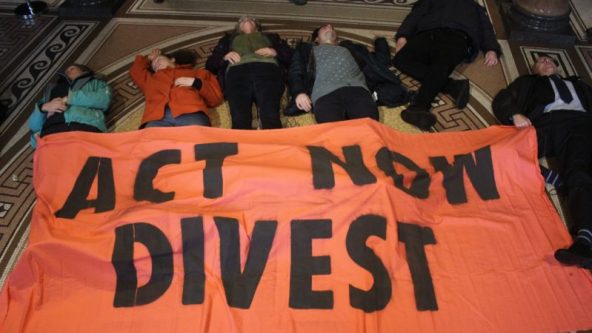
[
  {"x": 578, "y": 254},
  {"x": 299, "y": 2},
  {"x": 459, "y": 90},
  {"x": 419, "y": 117}
]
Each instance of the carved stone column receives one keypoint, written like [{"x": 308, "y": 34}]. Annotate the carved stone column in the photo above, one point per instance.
[{"x": 545, "y": 21}]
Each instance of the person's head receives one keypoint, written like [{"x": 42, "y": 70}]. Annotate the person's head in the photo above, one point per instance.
[
  {"x": 247, "y": 24},
  {"x": 184, "y": 57},
  {"x": 75, "y": 70},
  {"x": 162, "y": 62},
  {"x": 324, "y": 34},
  {"x": 545, "y": 65}
]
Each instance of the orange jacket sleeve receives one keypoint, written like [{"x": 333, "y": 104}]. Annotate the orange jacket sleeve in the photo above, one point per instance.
[
  {"x": 140, "y": 71},
  {"x": 210, "y": 89}
]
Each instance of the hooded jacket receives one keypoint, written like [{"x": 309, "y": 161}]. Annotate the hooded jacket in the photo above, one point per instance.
[
  {"x": 159, "y": 90},
  {"x": 88, "y": 102}
]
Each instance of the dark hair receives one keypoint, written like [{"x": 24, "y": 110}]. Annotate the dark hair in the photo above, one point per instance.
[
  {"x": 83, "y": 68},
  {"x": 184, "y": 57},
  {"x": 315, "y": 33}
]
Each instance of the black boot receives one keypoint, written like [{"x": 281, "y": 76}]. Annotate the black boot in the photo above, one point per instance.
[
  {"x": 459, "y": 91},
  {"x": 419, "y": 116},
  {"x": 578, "y": 254}
]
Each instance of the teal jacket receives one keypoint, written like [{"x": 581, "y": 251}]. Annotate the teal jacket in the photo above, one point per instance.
[{"x": 88, "y": 101}]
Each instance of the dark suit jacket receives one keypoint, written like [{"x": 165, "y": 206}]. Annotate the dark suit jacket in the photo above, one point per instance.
[
  {"x": 529, "y": 94},
  {"x": 464, "y": 15}
]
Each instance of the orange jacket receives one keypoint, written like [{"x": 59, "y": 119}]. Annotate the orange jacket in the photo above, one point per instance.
[{"x": 159, "y": 90}]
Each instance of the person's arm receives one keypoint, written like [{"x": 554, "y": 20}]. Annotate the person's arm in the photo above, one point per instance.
[
  {"x": 140, "y": 71},
  {"x": 586, "y": 94},
  {"x": 488, "y": 40},
  {"x": 208, "y": 87},
  {"x": 297, "y": 71},
  {"x": 506, "y": 103},
  {"x": 297, "y": 77},
  {"x": 216, "y": 62},
  {"x": 409, "y": 25},
  {"x": 283, "y": 50},
  {"x": 96, "y": 94},
  {"x": 37, "y": 118}
]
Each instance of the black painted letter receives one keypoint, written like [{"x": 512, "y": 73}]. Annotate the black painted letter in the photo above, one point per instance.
[
  {"x": 304, "y": 265},
  {"x": 322, "y": 166},
  {"x": 479, "y": 170},
  {"x": 240, "y": 287},
  {"x": 421, "y": 183},
  {"x": 380, "y": 294},
  {"x": 415, "y": 238},
  {"x": 193, "y": 260},
  {"x": 214, "y": 154},
  {"x": 143, "y": 186},
  {"x": 127, "y": 293},
  {"x": 101, "y": 168}
]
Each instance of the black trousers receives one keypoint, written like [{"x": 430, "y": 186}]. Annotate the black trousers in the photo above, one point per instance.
[
  {"x": 345, "y": 103},
  {"x": 430, "y": 57},
  {"x": 65, "y": 127},
  {"x": 254, "y": 82},
  {"x": 567, "y": 135}
]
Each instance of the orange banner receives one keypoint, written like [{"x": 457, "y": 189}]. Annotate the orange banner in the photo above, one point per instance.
[{"x": 342, "y": 227}]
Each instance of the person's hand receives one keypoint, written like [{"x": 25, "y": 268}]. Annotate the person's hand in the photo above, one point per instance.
[
  {"x": 184, "y": 81},
  {"x": 266, "y": 52},
  {"x": 303, "y": 102},
  {"x": 490, "y": 58},
  {"x": 521, "y": 121},
  {"x": 400, "y": 44},
  {"x": 56, "y": 105},
  {"x": 232, "y": 57},
  {"x": 153, "y": 54}
]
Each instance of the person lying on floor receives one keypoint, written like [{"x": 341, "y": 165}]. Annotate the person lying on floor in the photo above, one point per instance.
[
  {"x": 561, "y": 111},
  {"x": 176, "y": 93},
  {"x": 433, "y": 39},
  {"x": 250, "y": 65},
  {"x": 337, "y": 80},
  {"x": 76, "y": 101}
]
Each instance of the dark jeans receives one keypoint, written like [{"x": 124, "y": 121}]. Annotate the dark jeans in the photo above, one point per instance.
[
  {"x": 257, "y": 82},
  {"x": 430, "y": 57},
  {"x": 197, "y": 118},
  {"x": 57, "y": 124},
  {"x": 345, "y": 103},
  {"x": 567, "y": 135}
]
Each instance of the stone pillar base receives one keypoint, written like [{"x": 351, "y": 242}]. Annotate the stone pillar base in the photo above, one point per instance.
[
  {"x": 526, "y": 27},
  {"x": 89, "y": 8}
]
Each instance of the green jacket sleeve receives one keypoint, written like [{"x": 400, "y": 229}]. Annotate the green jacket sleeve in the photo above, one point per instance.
[{"x": 36, "y": 121}]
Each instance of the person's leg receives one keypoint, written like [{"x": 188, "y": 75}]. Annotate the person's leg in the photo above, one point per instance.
[
  {"x": 413, "y": 58},
  {"x": 268, "y": 88},
  {"x": 575, "y": 159},
  {"x": 358, "y": 103},
  {"x": 448, "y": 50},
  {"x": 197, "y": 118},
  {"x": 329, "y": 108},
  {"x": 166, "y": 121},
  {"x": 239, "y": 93}
]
